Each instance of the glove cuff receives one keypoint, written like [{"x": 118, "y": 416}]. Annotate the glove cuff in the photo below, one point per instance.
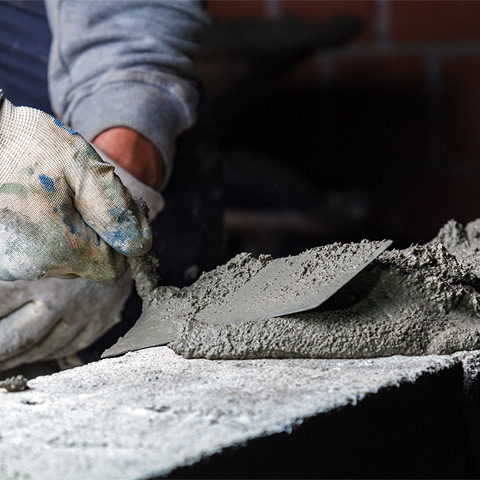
[{"x": 154, "y": 200}]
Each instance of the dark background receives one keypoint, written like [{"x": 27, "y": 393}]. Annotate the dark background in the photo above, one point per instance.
[{"x": 343, "y": 120}]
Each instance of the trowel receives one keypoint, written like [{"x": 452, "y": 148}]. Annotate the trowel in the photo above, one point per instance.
[{"x": 265, "y": 288}]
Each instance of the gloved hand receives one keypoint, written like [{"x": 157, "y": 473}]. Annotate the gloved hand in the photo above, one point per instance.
[
  {"x": 63, "y": 211},
  {"x": 53, "y": 318}
]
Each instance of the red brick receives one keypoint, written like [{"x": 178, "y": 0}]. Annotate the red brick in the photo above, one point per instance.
[
  {"x": 365, "y": 9},
  {"x": 232, "y": 9},
  {"x": 462, "y": 110},
  {"x": 431, "y": 21},
  {"x": 433, "y": 200},
  {"x": 387, "y": 71}
]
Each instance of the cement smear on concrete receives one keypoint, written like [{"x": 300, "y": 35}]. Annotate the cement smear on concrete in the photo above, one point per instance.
[{"x": 418, "y": 301}]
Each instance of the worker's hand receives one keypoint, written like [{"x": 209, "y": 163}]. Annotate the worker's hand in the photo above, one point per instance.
[
  {"x": 63, "y": 211},
  {"x": 53, "y": 318}
]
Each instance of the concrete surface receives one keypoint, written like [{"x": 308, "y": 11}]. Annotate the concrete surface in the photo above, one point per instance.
[{"x": 152, "y": 413}]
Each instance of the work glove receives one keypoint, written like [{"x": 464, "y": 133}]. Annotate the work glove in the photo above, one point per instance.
[
  {"x": 54, "y": 318},
  {"x": 63, "y": 211}
]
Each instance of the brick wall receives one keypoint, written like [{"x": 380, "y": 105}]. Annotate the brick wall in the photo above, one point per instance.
[{"x": 427, "y": 52}]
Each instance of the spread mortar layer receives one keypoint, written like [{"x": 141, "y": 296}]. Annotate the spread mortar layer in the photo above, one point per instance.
[{"x": 418, "y": 301}]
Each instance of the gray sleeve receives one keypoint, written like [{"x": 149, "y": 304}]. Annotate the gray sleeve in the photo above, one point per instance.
[{"x": 125, "y": 63}]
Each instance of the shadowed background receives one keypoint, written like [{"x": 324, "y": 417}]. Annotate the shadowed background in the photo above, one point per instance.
[{"x": 340, "y": 120}]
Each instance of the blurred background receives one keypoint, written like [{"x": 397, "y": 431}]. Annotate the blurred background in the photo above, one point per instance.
[{"x": 343, "y": 120}]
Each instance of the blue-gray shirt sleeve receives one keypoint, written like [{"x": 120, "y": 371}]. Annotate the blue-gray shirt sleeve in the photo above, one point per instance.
[{"x": 126, "y": 63}]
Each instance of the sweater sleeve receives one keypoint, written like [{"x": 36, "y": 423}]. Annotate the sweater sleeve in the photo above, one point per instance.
[{"x": 126, "y": 63}]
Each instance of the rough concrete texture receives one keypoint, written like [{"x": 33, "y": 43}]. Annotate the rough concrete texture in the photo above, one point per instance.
[
  {"x": 418, "y": 301},
  {"x": 471, "y": 391},
  {"x": 249, "y": 289},
  {"x": 148, "y": 412},
  {"x": 245, "y": 289}
]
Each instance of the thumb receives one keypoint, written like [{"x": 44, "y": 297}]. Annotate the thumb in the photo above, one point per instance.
[{"x": 106, "y": 205}]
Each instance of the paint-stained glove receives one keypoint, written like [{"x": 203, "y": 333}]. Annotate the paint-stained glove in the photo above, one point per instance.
[
  {"x": 63, "y": 211},
  {"x": 53, "y": 318}
]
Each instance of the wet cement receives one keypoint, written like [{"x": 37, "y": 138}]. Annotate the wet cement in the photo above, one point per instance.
[
  {"x": 245, "y": 289},
  {"x": 418, "y": 301}
]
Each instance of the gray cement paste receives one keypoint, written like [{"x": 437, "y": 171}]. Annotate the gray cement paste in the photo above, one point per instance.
[{"x": 418, "y": 301}]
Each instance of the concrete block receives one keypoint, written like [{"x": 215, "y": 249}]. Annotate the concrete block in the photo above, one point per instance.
[{"x": 152, "y": 413}]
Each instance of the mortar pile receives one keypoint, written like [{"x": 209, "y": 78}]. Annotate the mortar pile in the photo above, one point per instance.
[{"x": 418, "y": 301}]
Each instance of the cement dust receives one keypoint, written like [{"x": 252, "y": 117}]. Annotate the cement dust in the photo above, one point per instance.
[{"x": 419, "y": 301}]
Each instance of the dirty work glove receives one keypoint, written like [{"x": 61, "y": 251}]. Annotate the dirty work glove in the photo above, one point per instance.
[
  {"x": 53, "y": 317},
  {"x": 63, "y": 211}
]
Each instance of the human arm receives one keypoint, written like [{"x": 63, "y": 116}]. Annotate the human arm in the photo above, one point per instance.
[
  {"x": 128, "y": 64},
  {"x": 105, "y": 96},
  {"x": 123, "y": 65}
]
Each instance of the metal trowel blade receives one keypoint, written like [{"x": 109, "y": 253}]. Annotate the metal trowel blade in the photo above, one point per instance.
[{"x": 282, "y": 286}]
